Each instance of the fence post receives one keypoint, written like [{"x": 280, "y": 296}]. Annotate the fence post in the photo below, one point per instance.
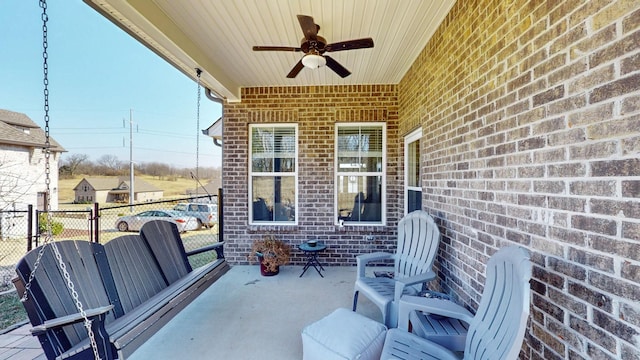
[
  {"x": 29, "y": 227},
  {"x": 96, "y": 216},
  {"x": 37, "y": 227}
]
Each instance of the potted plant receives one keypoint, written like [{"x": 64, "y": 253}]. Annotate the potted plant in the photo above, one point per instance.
[{"x": 271, "y": 253}]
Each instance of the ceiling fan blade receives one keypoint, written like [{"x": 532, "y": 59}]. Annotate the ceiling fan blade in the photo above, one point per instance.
[
  {"x": 276, "y": 48},
  {"x": 335, "y": 66},
  {"x": 296, "y": 70},
  {"x": 350, "y": 45},
  {"x": 309, "y": 28}
]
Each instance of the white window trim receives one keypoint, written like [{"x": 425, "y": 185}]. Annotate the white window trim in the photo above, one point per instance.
[
  {"x": 383, "y": 173},
  {"x": 251, "y": 174},
  {"x": 410, "y": 138}
]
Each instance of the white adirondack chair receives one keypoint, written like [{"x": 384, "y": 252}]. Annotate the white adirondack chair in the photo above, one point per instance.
[
  {"x": 418, "y": 240},
  {"x": 495, "y": 332}
]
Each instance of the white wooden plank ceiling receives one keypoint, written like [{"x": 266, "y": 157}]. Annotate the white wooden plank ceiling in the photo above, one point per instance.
[{"x": 217, "y": 36}]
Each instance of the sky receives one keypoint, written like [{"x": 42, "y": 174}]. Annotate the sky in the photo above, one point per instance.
[{"x": 98, "y": 76}]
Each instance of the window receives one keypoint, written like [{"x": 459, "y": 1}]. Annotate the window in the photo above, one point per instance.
[
  {"x": 360, "y": 173},
  {"x": 412, "y": 185},
  {"x": 273, "y": 174}
]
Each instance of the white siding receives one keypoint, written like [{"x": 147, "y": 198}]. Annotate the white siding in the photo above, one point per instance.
[{"x": 22, "y": 177}]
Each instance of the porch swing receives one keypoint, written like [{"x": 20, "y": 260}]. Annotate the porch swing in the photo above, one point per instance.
[{"x": 91, "y": 301}]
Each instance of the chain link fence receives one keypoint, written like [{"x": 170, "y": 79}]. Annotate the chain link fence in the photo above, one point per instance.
[
  {"x": 206, "y": 234},
  {"x": 21, "y": 231},
  {"x": 14, "y": 231}
]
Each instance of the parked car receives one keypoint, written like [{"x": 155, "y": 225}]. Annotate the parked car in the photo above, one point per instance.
[
  {"x": 207, "y": 214},
  {"x": 135, "y": 222}
]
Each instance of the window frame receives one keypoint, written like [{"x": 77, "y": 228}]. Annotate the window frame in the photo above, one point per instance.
[
  {"x": 382, "y": 174},
  {"x": 409, "y": 139},
  {"x": 273, "y": 174}
]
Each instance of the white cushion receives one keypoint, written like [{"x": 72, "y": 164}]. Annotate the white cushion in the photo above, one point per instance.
[{"x": 343, "y": 334}]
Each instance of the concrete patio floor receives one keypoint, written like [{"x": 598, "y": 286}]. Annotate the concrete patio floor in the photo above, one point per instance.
[{"x": 246, "y": 316}]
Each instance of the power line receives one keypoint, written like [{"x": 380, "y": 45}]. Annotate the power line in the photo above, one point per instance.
[
  {"x": 87, "y": 133},
  {"x": 167, "y": 134},
  {"x": 135, "y": 147},
  {"x": 168, "y": 151},
  {"x": 93, "y": 147},
  {"x": 84, "y": 128},
  {"x": 92, "y": 131}
]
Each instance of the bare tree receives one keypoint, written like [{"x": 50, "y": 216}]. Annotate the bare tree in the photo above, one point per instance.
[
  {"x": 156, "y": 169},
  {"x": 111, "y": 165},
  {"x": 70, "y": 164}
]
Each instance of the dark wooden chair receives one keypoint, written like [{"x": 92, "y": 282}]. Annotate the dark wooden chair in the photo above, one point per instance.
[
  {"x": 356, "y": 212},
  {"x": 130, "y": 287},
  {"x": 261, "y": 211}
]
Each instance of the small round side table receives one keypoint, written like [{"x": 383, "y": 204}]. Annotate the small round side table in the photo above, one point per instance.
[{"x": 311, "y": 255}]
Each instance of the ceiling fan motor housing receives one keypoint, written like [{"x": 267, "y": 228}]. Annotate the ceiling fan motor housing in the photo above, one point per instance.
[{"x": 313, "y": 46}]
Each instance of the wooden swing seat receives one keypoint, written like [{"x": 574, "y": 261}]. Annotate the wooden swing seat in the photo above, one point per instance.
[{"x": 130, "y": 287}]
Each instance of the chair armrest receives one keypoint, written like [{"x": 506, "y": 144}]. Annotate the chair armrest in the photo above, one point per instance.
[
  {"x": 217, "y": 247},
  {"x": 433, "y": 306},
  {"x": 412, "y": 280},
  {"x": 364, "y": 259},
  {"x": 399, "y": 344},
  {"x": 69, "y": 320}
]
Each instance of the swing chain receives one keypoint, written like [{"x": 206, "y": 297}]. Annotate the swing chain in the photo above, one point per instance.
[
  {"x": 47, "y": 145},
  {"x": 45, "y": 67},
  {"x": 49, "y": 234},
  {"x": 198, "y": 73}
]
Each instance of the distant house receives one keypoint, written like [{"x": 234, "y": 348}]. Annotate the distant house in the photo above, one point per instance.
[
  {"x": 114, "y": 189},
  {"x": 23, "y": 163}
]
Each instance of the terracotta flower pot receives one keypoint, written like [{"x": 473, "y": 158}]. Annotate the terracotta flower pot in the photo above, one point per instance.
[
  {"x": 264, "y": 271},
  {"x": 270, "y": 253}
]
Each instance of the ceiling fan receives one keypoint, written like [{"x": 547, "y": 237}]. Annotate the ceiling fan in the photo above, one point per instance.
[{"x": 315, "y": 46}]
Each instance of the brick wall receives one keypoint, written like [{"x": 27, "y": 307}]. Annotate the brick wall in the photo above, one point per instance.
[
  {"x": 530, "y": 113},
  {"x": 315, "y": 110},
  {"x": 531, "y": 119}
]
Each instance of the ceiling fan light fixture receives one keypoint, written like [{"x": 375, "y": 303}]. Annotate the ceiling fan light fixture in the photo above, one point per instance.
[
  {"x": 313, "y": 61},
  {"x": 314, "y": 46}
]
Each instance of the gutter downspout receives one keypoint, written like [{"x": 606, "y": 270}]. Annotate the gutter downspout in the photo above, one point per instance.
[{"x": 218, "y": 100}]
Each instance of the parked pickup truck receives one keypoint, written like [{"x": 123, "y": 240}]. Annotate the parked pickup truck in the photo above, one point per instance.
[{"x": 207, "y": 214}]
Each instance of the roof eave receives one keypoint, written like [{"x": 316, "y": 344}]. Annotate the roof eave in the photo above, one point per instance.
[{"x": 157, "y": 32}]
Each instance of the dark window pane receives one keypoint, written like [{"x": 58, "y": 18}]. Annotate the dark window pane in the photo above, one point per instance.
[
  {"x": 413, "y": 164},
  {"x": 360, "y": 198},
  {"x": 414, "y": 200},
  {"x": 273, "y": 198}
]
